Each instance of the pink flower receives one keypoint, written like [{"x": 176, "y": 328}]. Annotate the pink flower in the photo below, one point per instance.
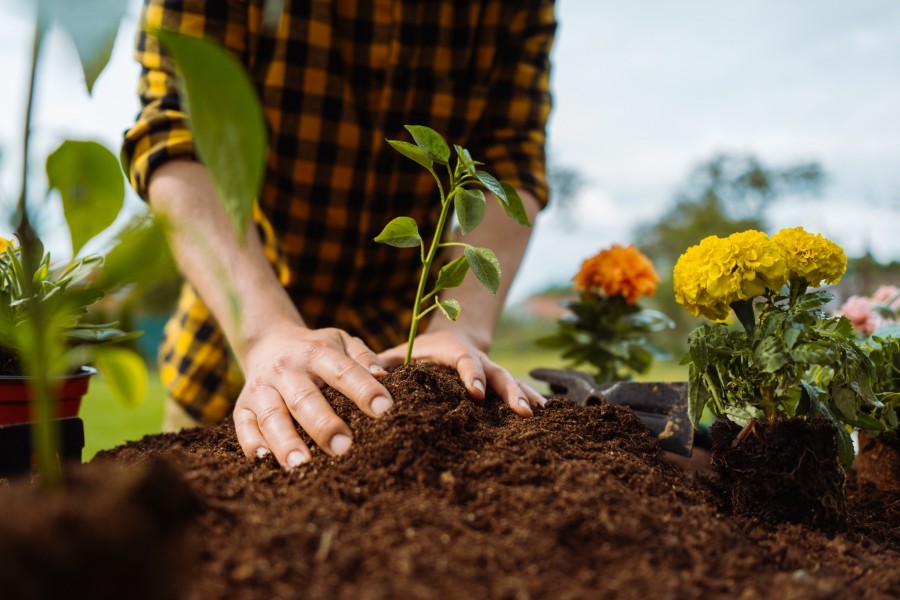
[{"x": 858, "y": 310}]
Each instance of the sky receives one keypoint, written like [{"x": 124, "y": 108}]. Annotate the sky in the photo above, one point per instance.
[{"x": 643, "y": 91}]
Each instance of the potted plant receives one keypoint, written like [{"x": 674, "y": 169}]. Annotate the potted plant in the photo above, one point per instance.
[
  {"x": 46, "y": 337},
  {"x": 786, "y": 383},
  {"x": 607, "y": 329}
]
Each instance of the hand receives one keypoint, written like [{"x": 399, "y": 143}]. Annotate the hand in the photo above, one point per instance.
[
  {"x": 449, "y": 347},
  {"x": 284, "y": 371}
]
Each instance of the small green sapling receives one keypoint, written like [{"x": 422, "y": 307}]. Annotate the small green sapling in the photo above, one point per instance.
[{"x": 464, "y": 193}]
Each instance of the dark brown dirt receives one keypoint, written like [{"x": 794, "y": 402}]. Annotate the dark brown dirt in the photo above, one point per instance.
[
  {"x": 449, "y": 498},
  {"x": 784, "y": 472},
  {"x": 878, "y": 461}
]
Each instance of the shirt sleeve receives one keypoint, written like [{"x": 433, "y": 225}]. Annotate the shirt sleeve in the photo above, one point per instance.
[
  {"x": 512, "y": 131},
  {"x": 160, "y": 132}
]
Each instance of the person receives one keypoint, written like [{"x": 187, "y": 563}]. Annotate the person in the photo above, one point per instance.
[{"x": 318, "y": 301}]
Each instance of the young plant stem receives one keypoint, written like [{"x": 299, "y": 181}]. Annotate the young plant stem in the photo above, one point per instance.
[
  {"x": 45, "y": 439},
  {"x": 743, "y": 310},
  {"x": 426, "y": 266}
]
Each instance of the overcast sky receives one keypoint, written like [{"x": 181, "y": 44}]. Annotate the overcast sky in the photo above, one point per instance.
[{"x": 643, "y": 90}]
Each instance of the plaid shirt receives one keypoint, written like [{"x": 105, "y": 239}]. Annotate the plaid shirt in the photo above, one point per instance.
[{"x": 335, "y": 80}]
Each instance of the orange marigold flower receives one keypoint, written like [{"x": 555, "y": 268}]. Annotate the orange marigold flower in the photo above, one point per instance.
[{"x": 619, "y": 270}]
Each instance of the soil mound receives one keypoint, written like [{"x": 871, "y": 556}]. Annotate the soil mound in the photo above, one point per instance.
[{"x": 448, "y": 498}]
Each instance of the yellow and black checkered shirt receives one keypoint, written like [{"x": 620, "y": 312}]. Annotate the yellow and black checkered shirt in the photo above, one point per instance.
[{"x": 336, "y": 79}]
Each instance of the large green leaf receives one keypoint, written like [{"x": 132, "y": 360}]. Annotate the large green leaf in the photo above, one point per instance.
[
  {"x": 125, "y": 373},
  {"x": 401, "y": 232},
  {"x": 413, "y": 152},
  {"x": 92, "y": 25},
  {"x": 88, "y": 178},
  {"x": 452, "y": 274},
  {"x": 469, "y": 206},
  {"x": 491, "y": 183},
  {"x": 485, "y": 266},
  {"x": 226, "y": 119},
  {"x": 513, "y": 206},
  {"x": 431, "y": 142}
]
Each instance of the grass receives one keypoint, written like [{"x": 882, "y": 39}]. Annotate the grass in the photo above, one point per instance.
[{"x": 108, "y": 424}]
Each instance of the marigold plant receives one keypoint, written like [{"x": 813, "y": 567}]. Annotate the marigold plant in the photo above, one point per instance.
[
  {"x": 607, "y": 329},
  {"x": 789, "y": 359}
]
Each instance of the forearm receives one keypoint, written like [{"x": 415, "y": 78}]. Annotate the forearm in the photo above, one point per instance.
[
  {"x": 508, "y": 239},
  {"x": 236, "y": 281}
]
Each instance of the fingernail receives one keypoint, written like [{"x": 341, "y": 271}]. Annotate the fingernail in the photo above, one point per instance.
[
  {"x": 524, "y": 404},
  {"x": 377, "y": 371},
  {"x": 261, "y": 452},
  {"x": 380, "y": 405},
  {"x": 543, "y": 401},
  {"x": 340, "y": 443},
  {"x": 296, "y": 458},
  {"x": 478, "y": 385}
]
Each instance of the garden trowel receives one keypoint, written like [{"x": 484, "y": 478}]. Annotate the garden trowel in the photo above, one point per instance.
[{"x": 661, "y": 407}]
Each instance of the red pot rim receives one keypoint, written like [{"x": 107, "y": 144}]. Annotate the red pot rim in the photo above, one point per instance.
[{"x": 83, "y": 373}]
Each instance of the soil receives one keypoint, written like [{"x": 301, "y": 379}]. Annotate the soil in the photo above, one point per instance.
[
  {"x": 878, "y": 462},
  {"x": 449, "y": 498},
  {"x": 786, "y": 471}
]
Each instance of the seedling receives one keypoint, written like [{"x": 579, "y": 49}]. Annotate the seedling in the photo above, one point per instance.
[{"x": 465, "y": 193}]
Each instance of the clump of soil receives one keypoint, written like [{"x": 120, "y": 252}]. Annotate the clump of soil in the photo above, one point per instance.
[
  {"x": 786, "y": 471},
  {"x": 111, "y": 533},
  {"x": 448, "y": 498},
  {"x": 878, "y": 461}
]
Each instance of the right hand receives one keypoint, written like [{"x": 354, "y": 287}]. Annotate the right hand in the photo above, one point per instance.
[{"x": 285, "y": 370}]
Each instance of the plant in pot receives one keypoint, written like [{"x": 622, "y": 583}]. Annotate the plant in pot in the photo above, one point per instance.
[
  {"x": 785, "y": 383},
  {"x": 46, "y": 337},
  {"x": 607, "y": 329}
]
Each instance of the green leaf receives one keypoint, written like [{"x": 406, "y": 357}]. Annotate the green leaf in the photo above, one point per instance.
[
  {"x": 92, "y": 25},
  {"x": 226, "y": 119},
  {"x": 887, "y": 331},
  {"x": 140, "y": 254},
  {"x": 469, "y": 206},
  {"x": 814, "y": 353},
  {"x": 465, "y": 158},
  {"x": 414, "y": 152},
  {"x": 485, "y": 266},
  {"x": 401, "y": 232},
  {"x": 844, "y": 400},
  {"x": 88, "y": 178},
  {"x": 514, "y": 207},
  {"x": 125, "y": 373},
  {"x": 452, "y": 274},
  {"x": 769, "y": 355},
  {"x": 698, "y": 395},
  {"x": 431, "y": 142},
  {"x": 491, "y": 183},
  {"x": 450, "y": 308},
  {"x": 813, "y": 300}
]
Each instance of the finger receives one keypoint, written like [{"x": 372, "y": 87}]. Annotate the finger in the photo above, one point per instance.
[
  {"x": 349, "y": 378},
  {"x": 508, "y": 388},
  {"x": 263, "y": 424},
  {"x": 358, "y": 351},
  {"x": 534, "y": 398},
  {"x": 310, "y": 409},
  {"x": 471, "y": 371}
]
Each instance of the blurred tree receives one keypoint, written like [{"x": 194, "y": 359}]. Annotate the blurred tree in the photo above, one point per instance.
[
  {"x": 723, "y": 195},
  {"x": 565, "y": 183}
]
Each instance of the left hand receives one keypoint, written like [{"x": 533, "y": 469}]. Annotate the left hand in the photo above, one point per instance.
[{"x": 457, "y": 350}]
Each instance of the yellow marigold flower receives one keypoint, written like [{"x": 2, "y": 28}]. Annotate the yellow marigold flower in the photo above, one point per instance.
[
  {"x": 620, "y": 270},
  {"x": 710, "y": 276},
  {"x": 4, "y": 244},
  {"x": 811, "y": 257}
]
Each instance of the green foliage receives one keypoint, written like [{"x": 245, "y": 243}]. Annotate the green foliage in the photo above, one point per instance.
[
  {"x": 90, "y": 182},
  {"x": 227, "y": 121},
  {"x": 463, "y": 194},
  {"x": 608, "y": 334},
  {"x": 883, "y": 348},
  {"x": 796, "y": 362}
]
